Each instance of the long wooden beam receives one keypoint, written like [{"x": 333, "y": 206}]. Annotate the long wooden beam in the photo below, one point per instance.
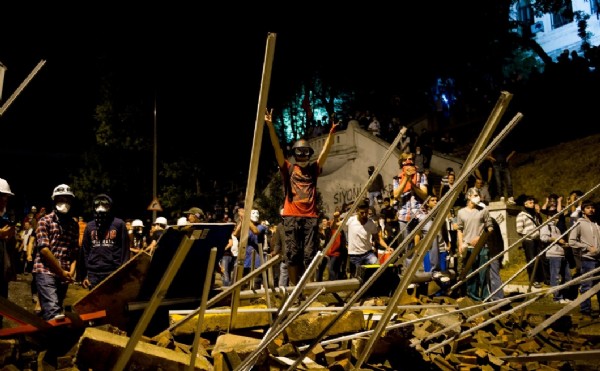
[
  {"x": 253, "y": 170},
  {"x": 22, "y": 86}
]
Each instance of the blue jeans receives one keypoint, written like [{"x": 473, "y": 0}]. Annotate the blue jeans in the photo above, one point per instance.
[
  {"x": 51, "y": 292},
  {"x": 363, "y": 259},
  {"x": 478, "y": 286},
  {"x": 558, "y": 267},
  {"x": 284, "y": 279},
  {"x": 586, "y": 266},
  {"x": 227, "y": 262},
  {"x": 373, "y": 198}
]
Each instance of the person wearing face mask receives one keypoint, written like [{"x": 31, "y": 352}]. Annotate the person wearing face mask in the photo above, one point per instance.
[
  {"x": 137, "y": 238},
  {"x": 105, "y": 243},
  {"x": 300, "y": 212},
  {"x": 472, "y": 220},
  {"x": 57, "y": 248}
]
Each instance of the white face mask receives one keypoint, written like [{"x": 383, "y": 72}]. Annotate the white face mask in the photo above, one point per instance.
[
  {"x": 101, "y": 209},
  {"x": 63, "y": 207},
  {"x": 476, "y": 200}
]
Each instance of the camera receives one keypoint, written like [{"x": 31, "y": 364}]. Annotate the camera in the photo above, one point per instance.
[{"x": 5, "y": 221}]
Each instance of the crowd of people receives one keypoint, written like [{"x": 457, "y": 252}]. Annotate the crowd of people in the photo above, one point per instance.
[
  {"x": 469, "y": 240},
  {"x": 59, "y": 248}
]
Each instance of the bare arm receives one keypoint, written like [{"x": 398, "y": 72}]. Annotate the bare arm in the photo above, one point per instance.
[
  {"x": 54, "y": 265},
  {"x": 381, "y": 240},
  {"x": 274, "y": 140},
  {"x": 327, "y": 146},
  {"x": 510, "y": 155},
  {"x": 30, "y": 245},
  {"x": 459, "y": 241}
]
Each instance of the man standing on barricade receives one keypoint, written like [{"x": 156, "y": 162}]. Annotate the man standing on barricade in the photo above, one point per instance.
[{"x": 300, "y": 214}]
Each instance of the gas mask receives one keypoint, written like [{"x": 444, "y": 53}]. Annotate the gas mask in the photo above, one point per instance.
[{"x": 102, "y": 204}]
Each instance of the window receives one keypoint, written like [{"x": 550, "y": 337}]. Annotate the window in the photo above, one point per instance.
[
  {"x": 524, "y": 12},
  {"x": 564, "y": 16}
]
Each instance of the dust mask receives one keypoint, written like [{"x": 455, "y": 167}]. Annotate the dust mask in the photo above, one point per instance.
[
  {"x": 476, "y": 200},
  {"x": 63, "y": 207}
]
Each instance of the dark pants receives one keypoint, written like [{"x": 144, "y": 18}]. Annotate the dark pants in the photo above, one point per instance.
[
  {"x": 96, "y": 278},
  {"x": 334, "y": 265},
  {"x": 586, "y": 266},
  {"x": 301, "y": 240},
  {"x": 532, "y": 248}
]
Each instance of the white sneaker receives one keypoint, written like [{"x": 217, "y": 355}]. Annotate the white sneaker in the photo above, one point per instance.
[{"x": 564, "y": 301}]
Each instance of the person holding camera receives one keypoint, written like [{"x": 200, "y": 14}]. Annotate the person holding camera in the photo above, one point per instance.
[{"x": 411, "y": 191}]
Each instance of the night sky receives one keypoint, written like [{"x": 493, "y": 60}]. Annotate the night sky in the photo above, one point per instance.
[{"x": 204, "y": 70}]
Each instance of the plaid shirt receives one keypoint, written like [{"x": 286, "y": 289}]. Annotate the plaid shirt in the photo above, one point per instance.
[
  {"x": 411, "y": 204},
  {"x": 61, "y": 237}
]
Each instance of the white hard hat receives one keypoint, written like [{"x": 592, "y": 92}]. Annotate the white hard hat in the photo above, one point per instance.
[
  {"x": 161, "y": 220},
  {"x": 62, "y": 190},
  {"x": 182, "y": 221},
  {"x": 5, "y": 188},
  {"x": 137, "y": 223}
]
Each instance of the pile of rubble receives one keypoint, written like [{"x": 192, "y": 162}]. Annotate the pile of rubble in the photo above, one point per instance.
[{"x": 428, "y": 333}]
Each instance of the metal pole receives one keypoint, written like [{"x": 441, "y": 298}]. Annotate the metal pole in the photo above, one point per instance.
[
  {"x": 227, "y": 291},
  {"x": 155, "y": 162},
  {"x": 207, "y": 282},
  {"x": 536, "y": 296},
  {"x": 21, "y": 87},
  {"x": 270, "y": 336},
  {"x": 157, "y": 296},
  {"x": 516, "y": 243},
  {"x": 476, "y": 153}
]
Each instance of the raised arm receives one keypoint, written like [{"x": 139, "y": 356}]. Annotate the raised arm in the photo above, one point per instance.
[
  {"x": 327, "y": 146},
  {"x": 279, "y": 156}
]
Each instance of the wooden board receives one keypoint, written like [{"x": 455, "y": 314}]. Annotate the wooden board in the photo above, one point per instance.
[
  {"x": 118, "y": 289},
  {"x": 136, "y": 280}
]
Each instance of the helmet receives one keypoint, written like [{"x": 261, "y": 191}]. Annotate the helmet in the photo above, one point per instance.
[
  {"x": 5, "y": 188},
  {"x": 302, "y": 144},
  {"x": 137, "y": 223},
  {"x": 161, "y": 220},
  {"x": 62, "y": 190}
]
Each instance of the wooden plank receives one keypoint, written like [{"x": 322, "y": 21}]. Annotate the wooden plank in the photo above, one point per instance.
[
  {"x": 555, "y": 356},
  {"x": 137, "y": 279},
  {"x": 21, "y": 315},
  {"x": 118, "y": 289},
  {"x": 28, "y": 328}
]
